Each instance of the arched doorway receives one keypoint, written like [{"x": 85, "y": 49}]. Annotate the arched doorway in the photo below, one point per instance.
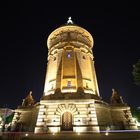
[{"x": 67, "y": 121}]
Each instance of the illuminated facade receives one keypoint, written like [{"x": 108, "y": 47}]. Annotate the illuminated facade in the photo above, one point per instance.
[
  {"x": 71, "y": 99},
  {"x": 70, "y": 61}
]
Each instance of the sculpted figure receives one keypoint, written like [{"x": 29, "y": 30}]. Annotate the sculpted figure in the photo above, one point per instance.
[
  {"x": 28, "y": 101},
  {"x": 115, "y": 98}
]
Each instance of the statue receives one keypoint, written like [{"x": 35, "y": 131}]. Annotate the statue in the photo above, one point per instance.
[
  {"x": 115, "y": 98},
  {"x": 69, "y": 21},
  {"x": 28, "y": 101}
]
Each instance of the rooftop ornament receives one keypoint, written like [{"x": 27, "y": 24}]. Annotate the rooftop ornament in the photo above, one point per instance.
[{"x": 69, "y": 21}]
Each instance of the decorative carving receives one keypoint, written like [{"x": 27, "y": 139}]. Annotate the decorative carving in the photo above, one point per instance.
[
  {"x": 115, "y": 98},
  {"x": 28, "y": 101},
  {"x": 70, "y": 35},
  {"x": 69, "y": 21}
]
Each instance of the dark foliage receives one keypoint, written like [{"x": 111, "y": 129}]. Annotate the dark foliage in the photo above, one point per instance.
[{"x": 136, "y": 72}]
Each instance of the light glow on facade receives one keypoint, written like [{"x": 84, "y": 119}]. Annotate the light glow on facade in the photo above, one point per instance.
[{"x": 71, "y": 100}]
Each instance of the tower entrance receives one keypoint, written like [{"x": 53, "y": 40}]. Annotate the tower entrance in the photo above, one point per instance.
[{"x": 67, "y": 121}]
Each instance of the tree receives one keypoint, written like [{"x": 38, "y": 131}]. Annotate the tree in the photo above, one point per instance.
[
  {"x": 136, "y": 72},
  {"x": 136, "y": 113},
  {"x": 9, "y": 118}
]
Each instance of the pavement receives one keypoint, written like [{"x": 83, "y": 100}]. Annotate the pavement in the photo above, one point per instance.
[{"x": 72, "y": 136}]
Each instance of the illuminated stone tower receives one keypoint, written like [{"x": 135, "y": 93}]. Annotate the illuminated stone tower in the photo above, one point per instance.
[
  {"x": 70, "y": 61},
  {"x": 71, "y": 99}
]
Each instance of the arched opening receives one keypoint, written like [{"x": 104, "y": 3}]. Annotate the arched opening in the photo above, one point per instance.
[{"x": 66, "y": 121}]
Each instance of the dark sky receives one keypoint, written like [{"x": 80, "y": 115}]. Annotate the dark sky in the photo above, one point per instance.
[{"x": 24, "y": 28}]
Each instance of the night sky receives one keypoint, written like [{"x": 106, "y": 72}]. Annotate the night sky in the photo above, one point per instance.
[{"x": 24, "y": 28}]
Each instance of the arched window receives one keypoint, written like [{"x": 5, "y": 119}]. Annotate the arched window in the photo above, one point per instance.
[
  {"x": 86, "y": 85},
  {"x": 69, "y": 84},
  {"x": 68, "y": 55}
]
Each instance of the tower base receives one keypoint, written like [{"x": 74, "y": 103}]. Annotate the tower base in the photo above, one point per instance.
[{"x": 82, "y": 115}]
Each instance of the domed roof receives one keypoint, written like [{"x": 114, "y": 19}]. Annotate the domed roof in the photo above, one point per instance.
[{"x": 70, "y": 33}]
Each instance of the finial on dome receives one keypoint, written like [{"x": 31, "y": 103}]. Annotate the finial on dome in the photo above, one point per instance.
[{"x": 69, "y": 21}]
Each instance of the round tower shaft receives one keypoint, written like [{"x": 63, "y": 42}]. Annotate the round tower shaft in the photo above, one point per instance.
[{"x": 70, "y": 61}]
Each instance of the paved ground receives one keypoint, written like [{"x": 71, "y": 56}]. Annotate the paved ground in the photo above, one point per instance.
[{"x": 72, "y": 136}]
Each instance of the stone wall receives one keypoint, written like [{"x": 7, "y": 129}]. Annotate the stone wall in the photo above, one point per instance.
[
  {"x": 122, "y": 117},
  {"x": 51, "y": 111},
  {"x": 25, "y": 119},
  {"x": 103, "y": 115}
]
